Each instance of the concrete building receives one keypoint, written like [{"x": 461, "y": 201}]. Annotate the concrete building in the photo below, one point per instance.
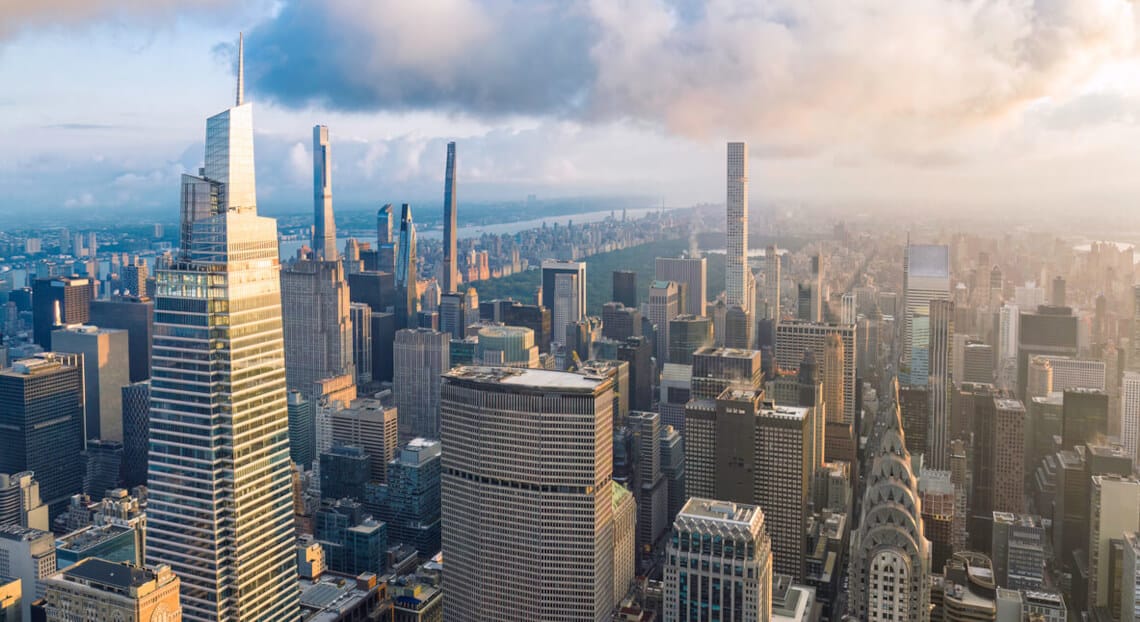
[
  {"x": 710, "y": 541},
  {"x": 1018, "y": 551},
  {"x": 371, "y": 424},
  {"x": 20, "y": 502},
  {"x": 1074, "y": 373},
  {"x": 450, "y": 268},
  {"x": 106, "y": 370},
  {"x": 1130, "y": 578},
  {"x": 1046, "y": 330},
  {"x": 41, "y": 409},
  {"x": 940, "y": 384},
  {"x": 105, "y": 590},
  {"x": 650, "y": 487},
  {"x": 737, "y": 275},
  {"x": 1130, "y": 414},
  {"x": 501, "y": 429},
  {"x": 714, "y": 370},
  {"x": 691, "y": 274},
  {"x": 507, "y": 346},
  {"x": 794, "y": 337},
  {"x": 419, "y": 357},
  {"x": 27, "y": 555},
  {"x": 564, "y": 293},
  {"x": 317, "y": 324},
  {"x": 664, "y": 305},
  {"x": 1114, "y": 510},
  {"x": 11, "y": 599},
  {"x": 1009, "y": 455},
  {"x": 977, "y": 363},
  {"x": 832, "y": 375}
]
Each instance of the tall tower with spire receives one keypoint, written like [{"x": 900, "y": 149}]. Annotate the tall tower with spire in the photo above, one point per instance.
[
  {"x": 450, "y": 225},
  {"x": 407, "y": 296},
  {"x": 324, "y": 230},
  {"x": 220, "y": 510}
]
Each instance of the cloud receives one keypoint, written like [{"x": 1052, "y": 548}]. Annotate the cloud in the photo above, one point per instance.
[
  {"x": 798, "y": 76},
  {"x": 490, "y": 59},
  {"x": 19, "y": 14}
]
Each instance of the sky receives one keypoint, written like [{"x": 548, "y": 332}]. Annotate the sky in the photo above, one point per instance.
[{"x": 924, "y": 104}]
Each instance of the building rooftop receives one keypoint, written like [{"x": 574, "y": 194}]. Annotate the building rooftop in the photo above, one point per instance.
[
  {"x": 329, "y": 596},
  {"x": 1023, "y": 520},
  {"x": 719, "y": 510},
  {"x": 1008, "y": 404},
  {"x": 529, "y": 378},
  {"x": 101, "y": 572},
  {"x": 796, "y": 413},
  {"x": 728, "y": 353},
  {"x": 26, "y": 534},
  {"x": 90, "y": 536},
  {"x": 928, "y": 260}
]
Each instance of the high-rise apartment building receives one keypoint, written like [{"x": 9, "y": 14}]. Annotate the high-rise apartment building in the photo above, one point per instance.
[
  {"x": 450, "y": 225},
  {"x": 220, "y": 506},
  {"x": 315, "y": 295},
  {"x": 41, "y": 412},
  {"x": 719, "y": 559},
  {"x": 737, "y": 275},
  {"x": 795, "y": 336},
  {"x": 419, "y": 357},
  {"x": 692, "y": 273},
  {"x": 407, "y": 271},
  {"x": 926, "y": 277},
  {"x": 106, "y": 370},
  {"x": 324, "y": 224},
  {"x": 104, "y": 590},
  {"x": 564, "y": 293},
  {"x": 1008, "y": 430},
  {"x": 890, "y": 555},
  {"x": 501, "y": 429}
]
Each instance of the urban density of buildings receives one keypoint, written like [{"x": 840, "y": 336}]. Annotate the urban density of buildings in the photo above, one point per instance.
[{"x": 732, "y": 412}]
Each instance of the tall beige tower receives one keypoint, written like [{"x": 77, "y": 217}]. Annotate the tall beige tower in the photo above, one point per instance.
[{"x": 833, "y": 383}]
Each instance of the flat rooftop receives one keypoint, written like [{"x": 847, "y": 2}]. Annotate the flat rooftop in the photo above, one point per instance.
[
  {"x": 529, "y": 378},
  {"x": 719, "y": 510}
]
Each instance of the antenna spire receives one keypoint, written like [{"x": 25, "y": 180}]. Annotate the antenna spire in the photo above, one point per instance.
[{"x": 241, "y": 70}]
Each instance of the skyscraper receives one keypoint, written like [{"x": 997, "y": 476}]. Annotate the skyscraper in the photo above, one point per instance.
[
  {"x": 371, "y": 425},
  {"x": 41, "y": 413},
  {"x": 1113, "y": 511},
  {"x": 926, "y": 277},
  {"x": 419, "y": 357},
  {"x": 736, "y": 272},
  {"x": 624, "y": 288},
  {"x": 20, "y": 502},
  {"x": 106, "y": 370},
  {"x": 501, "y": 429},
  {"x": 220, "y": 510},
  {"x": 690, "y": 271},
  {"x": 564, "y": 293},
  {"x": 795, "y": 336},
  {"x": 940, "y": 342},
  {"x": 407, "y": 271},
  {"x": 1130, "y": 414},
  {"x": 73, "y": 298},
  {"x": 772, "y": 282},
  {"x": 738, "y": 582},
  {"x": 317, "y": 323},
  {"x": 664, "y": 305},
  {"x": 890, "y": 555},
  {"x": 833, "y": 384},
  {"x": 136, "y": 316},
  {"x": 136, "y": 432},
  {"x": 324, "y": 226},
  {"x": 450, "y": 225},
  {"x": 412, "y": 503}
]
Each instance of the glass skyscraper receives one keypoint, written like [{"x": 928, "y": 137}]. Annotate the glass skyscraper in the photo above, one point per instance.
[{"x": 220, "y": 511}]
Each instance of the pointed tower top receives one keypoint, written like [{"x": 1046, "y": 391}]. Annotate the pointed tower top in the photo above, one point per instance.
[{"x": 240, "y": 70}]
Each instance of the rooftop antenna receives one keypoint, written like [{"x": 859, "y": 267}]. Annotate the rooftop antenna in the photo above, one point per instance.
[{"x": 241, "y": 69}]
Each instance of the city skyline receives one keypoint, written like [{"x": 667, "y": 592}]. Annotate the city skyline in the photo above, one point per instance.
[{"x": 999, "y": 136}]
